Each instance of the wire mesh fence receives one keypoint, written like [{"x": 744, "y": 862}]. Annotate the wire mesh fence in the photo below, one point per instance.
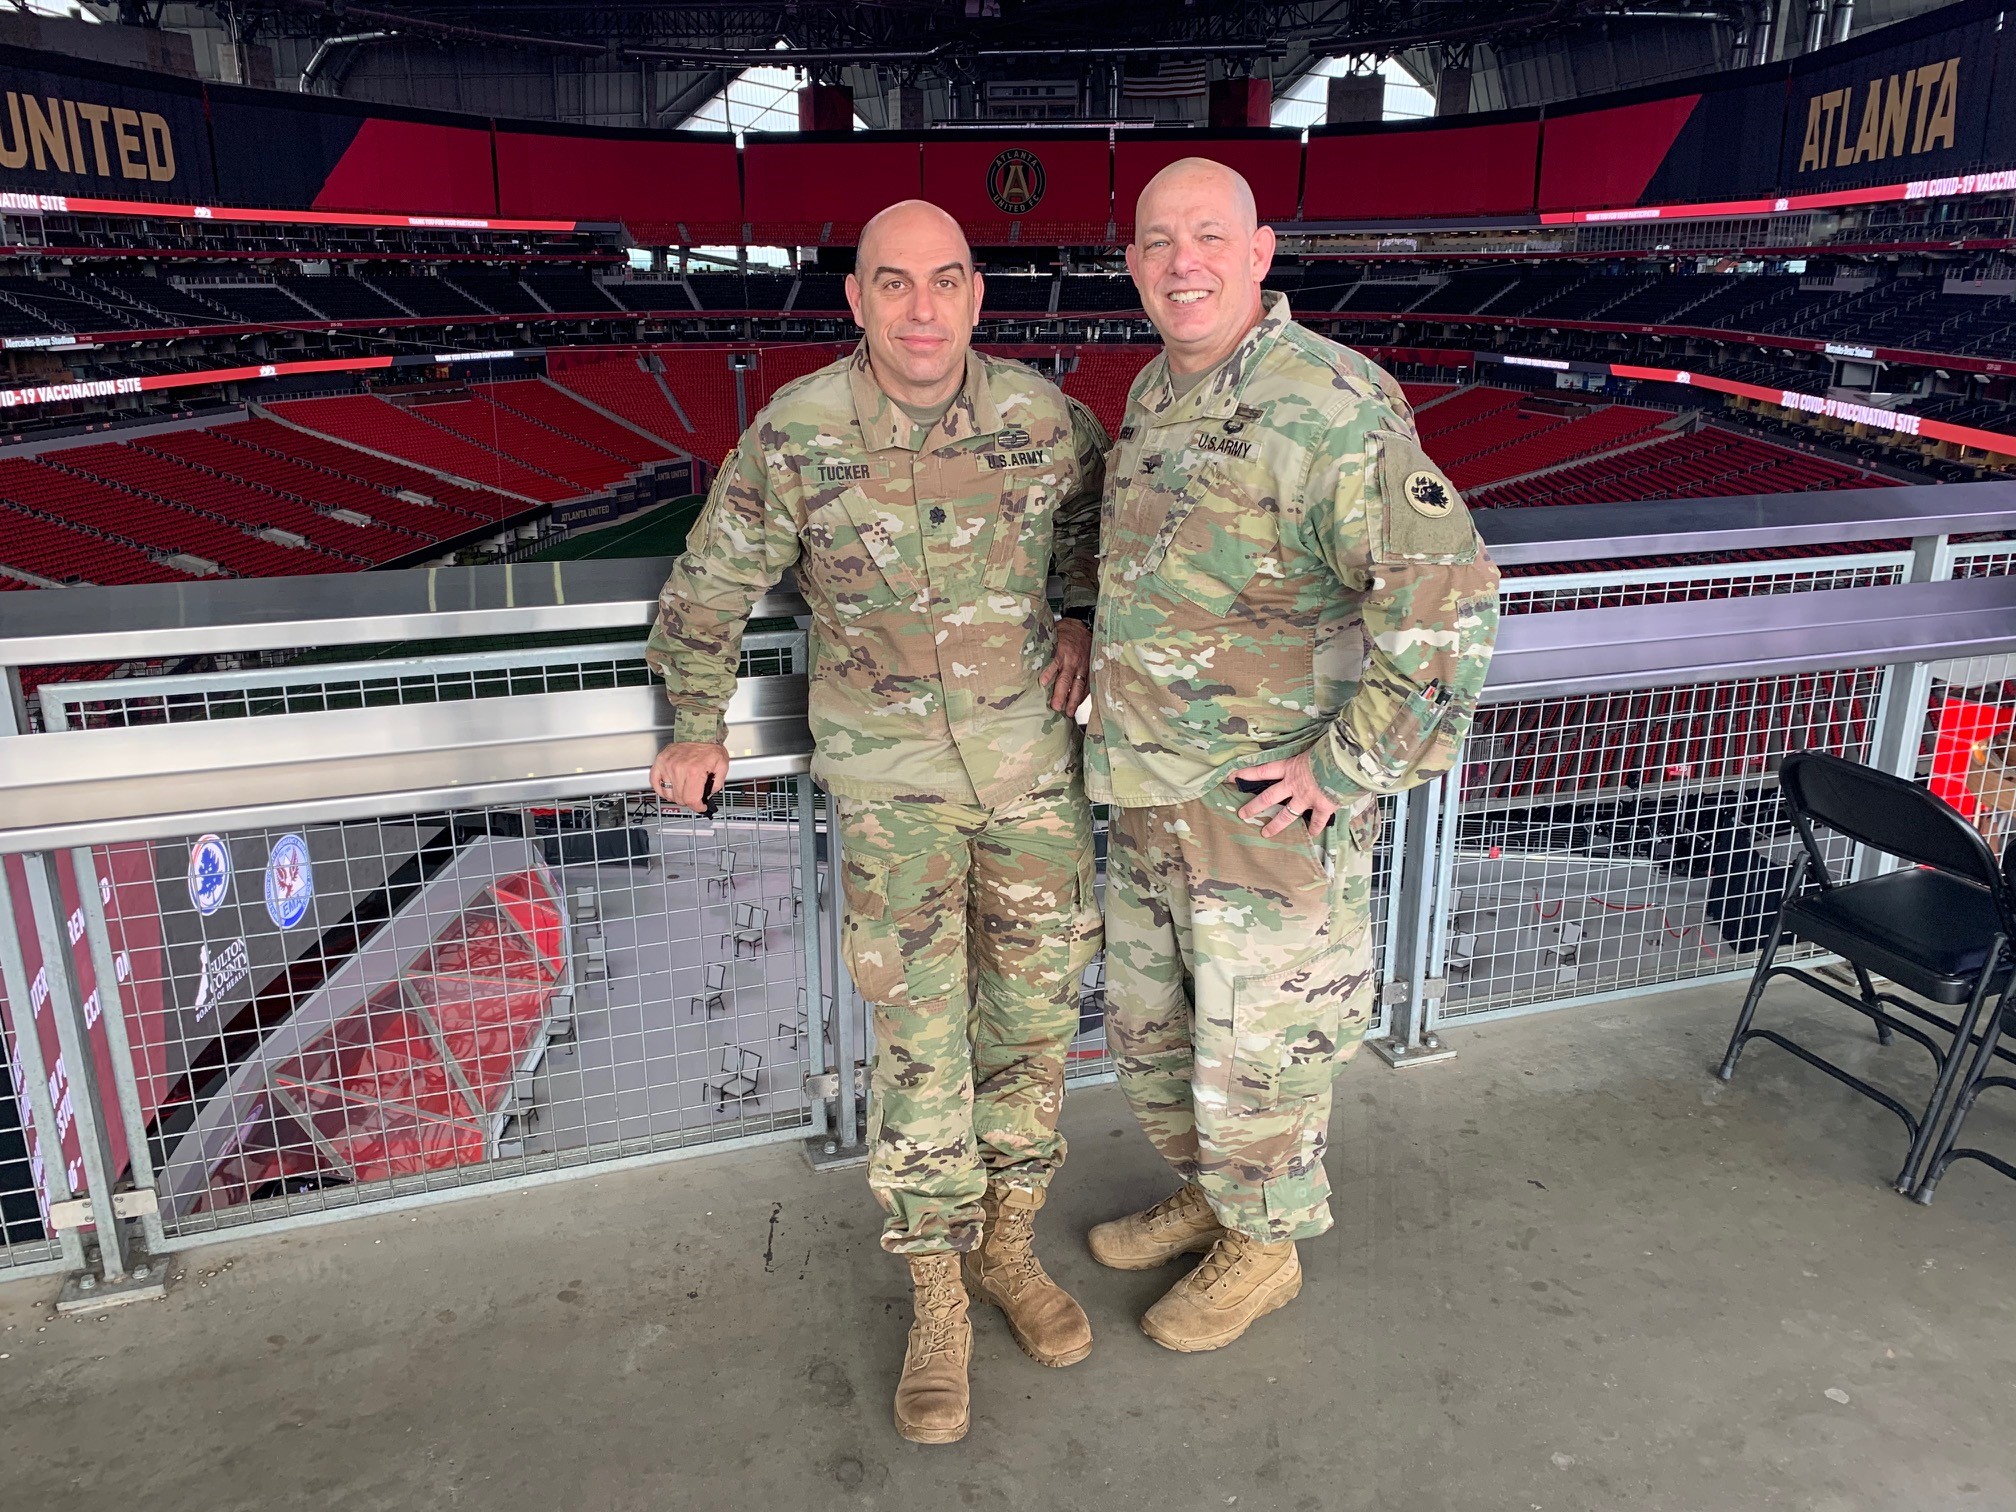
[
  {"x": 1611, "y": 842},
  {"x": 1539, "y": 593},
  {"x": 356, "y": 1011},
  {"x": 247, "y": 693},
  {"x": 1967, "y": 746}
]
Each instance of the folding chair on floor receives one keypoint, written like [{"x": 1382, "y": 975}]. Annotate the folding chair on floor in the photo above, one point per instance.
[
  {"x": 1943, "y": 928},
  {"x": 1973, "y": 1082}
]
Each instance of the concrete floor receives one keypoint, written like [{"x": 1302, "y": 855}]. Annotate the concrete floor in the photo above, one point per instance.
[{"x": 1570, "y": 1271}]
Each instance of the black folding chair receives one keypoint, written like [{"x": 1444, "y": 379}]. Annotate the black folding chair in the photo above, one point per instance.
[
  {"x": 1944, "y": 929},
  {"x": 1973, "y": 1082}
]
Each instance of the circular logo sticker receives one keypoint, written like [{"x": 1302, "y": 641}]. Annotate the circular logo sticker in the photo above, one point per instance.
[
  {"x": 1015, "y": 181},
  {"x": 290, "y": 881},
  {"x": 209, "y": 874},
  {"x": 1428, "y": 494}
]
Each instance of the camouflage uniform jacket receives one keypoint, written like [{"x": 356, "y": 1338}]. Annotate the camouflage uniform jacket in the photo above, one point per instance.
[
  {"x": 1283, "y": 570},
  {"x": 923, "y": 555}
]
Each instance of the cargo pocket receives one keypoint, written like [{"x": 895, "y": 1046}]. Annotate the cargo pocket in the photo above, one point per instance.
[
  {"x": 870, "y": 943},
  {"x": 1286, "y": 1025},
  {"x": 1088, "y": 933}
]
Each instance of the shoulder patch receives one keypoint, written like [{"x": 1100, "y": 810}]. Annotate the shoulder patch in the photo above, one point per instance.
[
  {"x": 1428, "y": 494},
  {"x": 1422, "y": 516}
]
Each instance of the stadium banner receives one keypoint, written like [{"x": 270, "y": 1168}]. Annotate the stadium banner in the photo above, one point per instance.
[
  {"x": 1453, "y": 167},
  {"x": 311, "y": 152},
  {"x": 72, "y": 127},
  {"x": 1028, "y": 186},
  {"x": 687, "y": 183},
  {"x": 1873, "y": 417},
  {"x": 814, "y": 188},
  {"x": 1923, "y": 99},
  {"x": 1269, "y": 157},
  {"x": 1663, "y": 144}
]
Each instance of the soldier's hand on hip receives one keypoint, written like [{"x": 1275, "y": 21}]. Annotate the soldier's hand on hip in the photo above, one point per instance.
[
  {"x": 1068, "y": 677},
  {"x": 1293, "y": 787},
  {"x": 681, "y": 772}
]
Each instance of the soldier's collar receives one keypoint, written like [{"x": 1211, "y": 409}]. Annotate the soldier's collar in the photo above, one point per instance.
[
  {"x": 884, "y": 425},
  {"x": 1217, "y": 397}
]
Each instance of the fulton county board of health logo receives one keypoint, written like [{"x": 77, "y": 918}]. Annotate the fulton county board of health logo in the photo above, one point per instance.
[
  {"x": 1015, "y": 181},
  {"x": 290, "y": 881},
  {"x": 209, "y": 874}
]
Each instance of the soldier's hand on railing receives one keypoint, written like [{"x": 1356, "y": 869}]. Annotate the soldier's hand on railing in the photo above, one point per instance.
[
  {"x": 681, "y": 774},
  {"x": 1292, "y": 785},
  {"x": 1068, "y": 677}
]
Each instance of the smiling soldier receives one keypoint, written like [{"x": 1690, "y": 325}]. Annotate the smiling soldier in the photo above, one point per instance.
[
  {"x": 1292, "y": 597},
  {"x": 923, "y": 491}
]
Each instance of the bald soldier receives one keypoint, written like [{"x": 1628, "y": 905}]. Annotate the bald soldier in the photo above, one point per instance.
[
  {"x": 924, "y": 492},
  {"x": 1295, "y": 618}
]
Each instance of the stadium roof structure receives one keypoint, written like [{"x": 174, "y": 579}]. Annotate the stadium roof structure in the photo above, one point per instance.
[{"x": 937, "y": 35}]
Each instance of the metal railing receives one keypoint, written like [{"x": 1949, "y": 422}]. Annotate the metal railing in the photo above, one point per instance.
[{"x": 296, "y": 941}]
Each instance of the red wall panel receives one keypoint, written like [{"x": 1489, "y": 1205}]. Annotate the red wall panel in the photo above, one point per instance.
[
  {"x": 1604, "y": 158},
  {"x": 641, "y": 181},
  {"x": 963, "y": 174},
  {"x": 1271, "y": 164},
  {"x": 413, "y": 167},
  {"x": 794, "y": 186},
  {"x": 1422, "y": 170}
]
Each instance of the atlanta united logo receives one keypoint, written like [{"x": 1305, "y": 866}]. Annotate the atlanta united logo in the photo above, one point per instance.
[{"x": 1015, "y": 181}]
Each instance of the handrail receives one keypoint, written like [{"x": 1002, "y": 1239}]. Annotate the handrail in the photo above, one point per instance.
[
  {"x": 1667, "y": 645},
  {"x": 338, "y": 609},
  {"x": 1747, "y": 522},
  {"x": 94, "y": 786},
  {"x": 444, "y": 603},
  {"x": 150, "y": 781}
]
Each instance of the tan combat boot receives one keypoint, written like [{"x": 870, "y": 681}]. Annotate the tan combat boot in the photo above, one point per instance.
[
  {"x": 1051, "y": 1328},
  {"x": 1241, "y": 1279},
  {"x": 1178, "y": 1225},
  {"x": 933, "y": 1400}
]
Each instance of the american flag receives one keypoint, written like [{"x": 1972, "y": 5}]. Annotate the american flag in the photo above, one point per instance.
[{"x": 1170, "y": 81}]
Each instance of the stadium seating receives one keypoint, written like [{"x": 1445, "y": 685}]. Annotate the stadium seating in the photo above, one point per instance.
[
  {"x": 547, "y": 405},
  {"x": 59, "y": 487},
  {"x": 1102, "y": 378},
  {"x": 425, "y": 295},
  {"x": 1709, "y": 463},
  {"x": 232, "y": 451},
  {"x": 181, "y": 482},
  {"x": 367, "y": 421},
  {"x": 703, "y": 386},
  {"x": 619, "y": 384},
  {"x": 500, "y": 293},
  {"x": 1550, "y": 444},
  {"x": 67, "y": 554},
  {"x": 465, "y": 506}
]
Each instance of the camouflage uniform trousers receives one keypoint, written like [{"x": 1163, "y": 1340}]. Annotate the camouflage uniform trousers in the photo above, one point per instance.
[
  {"x": 1238, "y": 982},
  {"x": 968, "y": 931}
]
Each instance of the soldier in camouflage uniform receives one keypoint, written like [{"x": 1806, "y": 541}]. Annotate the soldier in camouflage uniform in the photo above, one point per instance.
[
  {"x": 1292, "y": 598},
  {"x": 923, "y": 491}
]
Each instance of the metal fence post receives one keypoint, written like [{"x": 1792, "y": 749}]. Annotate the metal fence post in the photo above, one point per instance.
[
  {"x": 40, "y": 1113},
  {"x": 847, "y": 1005},
  {"x": 811, "y": 936},
  {"x": 87, "y": 1104},
  {"x": 1907, "y": 689},
  {"x": 840, "y": 1086},
  {"x": 1412, "y": 993},
  {"x": 112, "y": 1009}
]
